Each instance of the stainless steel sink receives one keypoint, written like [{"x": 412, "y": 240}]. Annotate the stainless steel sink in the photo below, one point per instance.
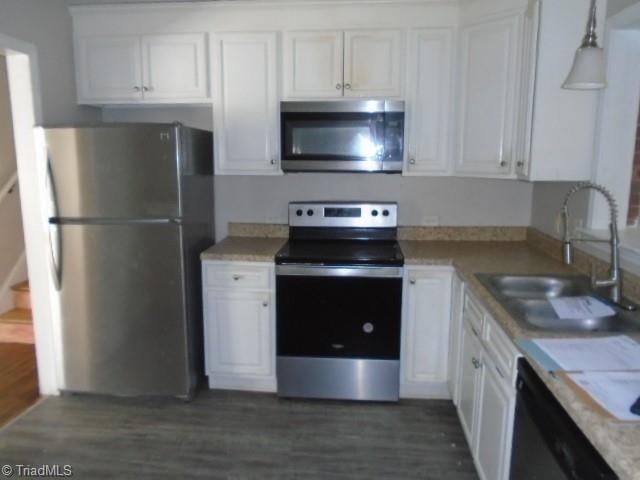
[{"x": 526, "y": 298}]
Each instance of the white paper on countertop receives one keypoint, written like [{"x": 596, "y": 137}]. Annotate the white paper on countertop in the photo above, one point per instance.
[
  {"x": 580, "y": 308},
  {"x": 614, "y": 391},
  {"x": 589, "y": 354}
]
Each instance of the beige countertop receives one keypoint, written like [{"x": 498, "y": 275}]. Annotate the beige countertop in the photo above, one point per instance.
[
  {"x": 618, "y": 442},
  {"x": 244, "y": 249}
]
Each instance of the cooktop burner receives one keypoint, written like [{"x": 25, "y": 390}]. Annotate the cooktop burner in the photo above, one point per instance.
[{"x": 340, "y": 252}]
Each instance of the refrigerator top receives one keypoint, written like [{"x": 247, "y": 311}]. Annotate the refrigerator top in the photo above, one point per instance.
[{"x": 123, "y": 171}]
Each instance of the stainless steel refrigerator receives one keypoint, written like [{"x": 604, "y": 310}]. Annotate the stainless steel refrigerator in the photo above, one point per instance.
[{"x": 131, "y": 208}]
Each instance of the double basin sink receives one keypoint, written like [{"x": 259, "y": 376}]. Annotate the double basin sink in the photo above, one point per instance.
[{"x": 526, "y": 298}]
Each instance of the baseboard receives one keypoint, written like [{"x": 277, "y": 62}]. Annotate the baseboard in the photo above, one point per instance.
[
  {"x": 17, "y": 274},
  {"x": 427, "y": 390},
  {"x": 252, "y": 384}
]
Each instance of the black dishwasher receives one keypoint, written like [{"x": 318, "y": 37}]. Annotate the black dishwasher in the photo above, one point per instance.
[{"x": 547, "y": 444}]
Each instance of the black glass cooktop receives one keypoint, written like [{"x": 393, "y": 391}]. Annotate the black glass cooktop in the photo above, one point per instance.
[{"x": 341, "y": 252}]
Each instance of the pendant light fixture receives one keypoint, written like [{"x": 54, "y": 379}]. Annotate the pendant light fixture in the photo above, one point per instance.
[{"x": 588, "y": 69}]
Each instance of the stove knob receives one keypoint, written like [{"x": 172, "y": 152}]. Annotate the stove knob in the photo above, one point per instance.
[
  {"x": 374, "y": 213},
  {"x": 367, "y": 327},
  {"x": 385, "y": 213},
  {"x": 299, "y": 212},
  {"x": 310, "y": 212}
]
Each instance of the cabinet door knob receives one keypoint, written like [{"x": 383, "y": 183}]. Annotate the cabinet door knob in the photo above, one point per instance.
[
  {"x": 146, "y": 89},
  {"x": 476, "y": 363},
  {"x": 520, "y": 164},
  {"x": 236, "y": 277},
  {"x": 503, "y": 163},
  {"x": 347, "y": 86},
  {"x": 136, "y": 88},
  {"x": 273, "y": 161},
  {"x": 338, "y": 86},
  {"x": 412, "y": 282},
  {"x": 265, "y": 304},
  {"x": 412, "y": 161}
]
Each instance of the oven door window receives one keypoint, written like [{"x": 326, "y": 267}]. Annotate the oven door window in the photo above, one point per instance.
[
  {"x": 338, "y": 137},
  {"x": 338, "y": 317}
]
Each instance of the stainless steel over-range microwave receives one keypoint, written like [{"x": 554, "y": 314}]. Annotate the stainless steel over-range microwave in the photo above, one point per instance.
[{"x": 342, "y": 136}]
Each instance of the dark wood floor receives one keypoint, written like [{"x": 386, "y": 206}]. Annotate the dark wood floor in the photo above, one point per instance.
[
  {"x": 18, "y": 379},
  {"x": 230, "y": 435}
]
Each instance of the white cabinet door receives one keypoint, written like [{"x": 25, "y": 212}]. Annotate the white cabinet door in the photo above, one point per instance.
[
  {"x": 246, "y": 105},
  {"x": 313, "y": 64},
  {"x": 238, "y": 329},
  {"x": 469, "y": 377},
  {"x": 455, "y": 333},
  {"x": 486, "y": 117},
  {"x": 372, "y": 63},
  {"x": 174, "y": 67},
  {"x": 429, "y": 102},
  {"x": 108, "y": 69},
  {"x": 494, "y": 424},
  {"x": 426, "y": 333}
]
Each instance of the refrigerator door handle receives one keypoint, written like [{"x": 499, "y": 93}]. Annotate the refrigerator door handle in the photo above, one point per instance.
[{"x": 55, "y": 244}]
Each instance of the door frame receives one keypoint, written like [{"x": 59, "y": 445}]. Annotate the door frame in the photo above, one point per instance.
[{"x": 25, "y": 99}]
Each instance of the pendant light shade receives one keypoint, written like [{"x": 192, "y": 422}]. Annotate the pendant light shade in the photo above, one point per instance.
[{"x": 588, "y": 69}]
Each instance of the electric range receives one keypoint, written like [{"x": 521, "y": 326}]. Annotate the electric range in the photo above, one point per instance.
[{"x": 339, "y": 302}]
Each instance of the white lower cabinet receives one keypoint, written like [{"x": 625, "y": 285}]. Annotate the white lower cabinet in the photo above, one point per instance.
[
  {"x": 486, "y": 392},
  {"x": 239, "y": 326},
  {"x": 468, "y": 378},
  {"x": 494, "y": 423},
  {"x": 425, "y": 332}
]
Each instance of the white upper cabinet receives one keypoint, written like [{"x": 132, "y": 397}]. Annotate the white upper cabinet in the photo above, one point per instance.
[
  {"x": 167, "y": 68},
  {"x": 336, "y": 64},
  {"x": 174, "y": 67},
  {"x": 556, "y": 126},
  {"x": 108, "y": 69},
  {"x": 487, "y": 106},
  {"x": 372, "y": 63},
  {"x": 425, "y": 333},
  {"x": 246, "y": 104},
  {"x": 313, "y": 64},
  {"x": 429, "y": 102}
]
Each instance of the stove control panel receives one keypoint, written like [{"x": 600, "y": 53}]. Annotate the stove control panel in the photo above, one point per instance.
[{"x": 343, "y": 215}]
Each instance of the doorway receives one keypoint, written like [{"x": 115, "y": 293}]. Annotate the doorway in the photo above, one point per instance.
[
  {"x": 29, "y": 347},
  {"x": 18, "y": 371}
]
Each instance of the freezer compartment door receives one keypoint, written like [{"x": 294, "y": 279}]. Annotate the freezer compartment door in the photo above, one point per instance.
[
  {"x": 114, "y": 172},
  {"x": 124, "y": 326}
]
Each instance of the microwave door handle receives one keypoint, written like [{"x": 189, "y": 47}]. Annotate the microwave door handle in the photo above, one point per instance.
[{"x": 380, "y": 134}]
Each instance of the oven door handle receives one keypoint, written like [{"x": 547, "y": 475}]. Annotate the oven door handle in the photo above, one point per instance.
[{"x": 302, "y": 270}]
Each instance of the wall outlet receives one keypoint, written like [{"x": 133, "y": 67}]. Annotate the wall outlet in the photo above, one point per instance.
[{"x": 430, "y": 220}]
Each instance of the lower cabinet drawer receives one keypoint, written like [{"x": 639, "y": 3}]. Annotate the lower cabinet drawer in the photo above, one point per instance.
[{"x": 222, "y": 275}]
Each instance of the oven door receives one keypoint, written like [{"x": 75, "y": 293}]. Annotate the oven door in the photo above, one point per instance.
[
  {"x": 332, "y": 141},
  {"x": 330, "y": 312}
]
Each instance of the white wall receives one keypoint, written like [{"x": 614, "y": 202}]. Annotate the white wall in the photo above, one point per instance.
[
  {"x": 47, "y": 25},
  {"x": 456, "y": 201},
  {"x": 7, "y": 150}
]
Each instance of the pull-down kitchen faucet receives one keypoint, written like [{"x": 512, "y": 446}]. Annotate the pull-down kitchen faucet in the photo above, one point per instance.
[{"x": 614, "y": 282}]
